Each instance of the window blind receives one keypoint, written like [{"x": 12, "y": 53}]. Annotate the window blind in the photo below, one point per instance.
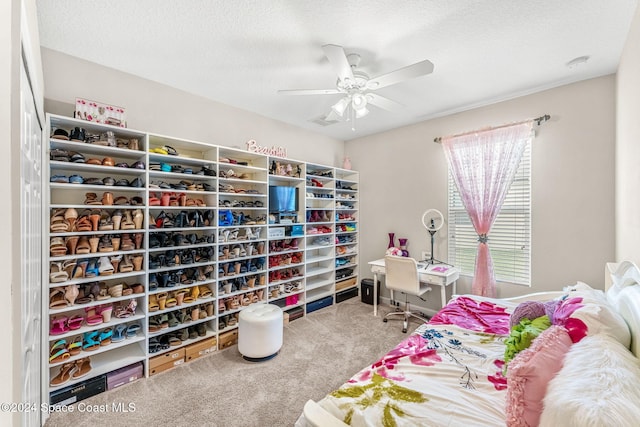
[{"x": 510, "y": 236}]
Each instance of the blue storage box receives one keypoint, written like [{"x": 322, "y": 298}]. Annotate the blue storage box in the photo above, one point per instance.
[{"x": 318, "y": 304}]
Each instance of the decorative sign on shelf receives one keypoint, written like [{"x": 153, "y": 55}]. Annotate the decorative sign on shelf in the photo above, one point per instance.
[
  {"x": 97, "y": 112},
  {"x": 253, "y": 147}
]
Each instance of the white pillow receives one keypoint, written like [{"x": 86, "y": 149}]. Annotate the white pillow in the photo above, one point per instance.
[{"x": 596, "y": 387}]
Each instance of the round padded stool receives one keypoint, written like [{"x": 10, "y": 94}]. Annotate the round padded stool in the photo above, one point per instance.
[{"x": 260, "y": 332}]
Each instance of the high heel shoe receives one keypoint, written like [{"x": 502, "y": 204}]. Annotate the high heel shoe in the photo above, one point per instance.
[
  {"x": 71, "y": 293},
  {"x": 70, "y": 215},
  {"x": 116, "y": 219},
  {"x": 115, "y": 262},
  {"x": 93, "y": 244},
  {"x": 137, "y": 262},
  {"x": 94, "y": 217},
  {"x": 126, "y": 266},
  {"x": 137, "y": 238},
  {"x": 115, "y": 241},
  {"x": 107, "y": 198},
  {"x": 127, "y": 222},
  {"x": 71, "y": 243},
  {"x": 138, "y": 217}
]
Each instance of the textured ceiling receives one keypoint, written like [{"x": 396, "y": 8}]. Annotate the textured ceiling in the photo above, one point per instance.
[{"x": 240, "y": 52}]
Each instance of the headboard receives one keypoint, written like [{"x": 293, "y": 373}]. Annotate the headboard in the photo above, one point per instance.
[{"x": 624, "y": 295}]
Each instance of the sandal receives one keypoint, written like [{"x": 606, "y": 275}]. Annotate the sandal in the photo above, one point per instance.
[
  {"x": 106, "y": 268},
  {"x": 93, "y": 318},
  {"x": 75, "y": 347},
  {"x": 205, "y": 292},
  {"x": 105, "y": 337},
  {"x": 75, "y": 322},
  {"x": 132, "y": 330},
  {"x": 128, "y": 311},
  {"x": 63, "y": 376},
  {"x": 57, "y": 299},
  {"x": 59, "y": 352},
  {"x": 57, "y": 273},
  {"x": 82, "y": 368},
  {"x": 90, "y": 341},
  {"x": 57, "y": 247}
]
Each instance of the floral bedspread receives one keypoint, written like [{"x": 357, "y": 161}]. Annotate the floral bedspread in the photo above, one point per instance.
[{"x": 447, "y": 373}]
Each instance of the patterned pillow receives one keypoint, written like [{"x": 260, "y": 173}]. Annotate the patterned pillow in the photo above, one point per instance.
[
  {"x": 528, "y": 375},
  {"x": 588, "y": 312}
]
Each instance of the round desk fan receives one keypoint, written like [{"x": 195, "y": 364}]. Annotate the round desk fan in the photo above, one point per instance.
[{"x": 433, "y": 220}]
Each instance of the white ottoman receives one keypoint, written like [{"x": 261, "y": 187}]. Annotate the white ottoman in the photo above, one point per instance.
[{"x": 260, "y": 332}]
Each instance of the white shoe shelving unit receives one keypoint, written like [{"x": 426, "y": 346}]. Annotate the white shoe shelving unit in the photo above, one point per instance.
[{"x": 188, "y": 241}]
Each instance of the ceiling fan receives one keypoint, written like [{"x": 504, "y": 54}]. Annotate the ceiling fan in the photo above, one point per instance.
[{"x": 357, "y": 86}]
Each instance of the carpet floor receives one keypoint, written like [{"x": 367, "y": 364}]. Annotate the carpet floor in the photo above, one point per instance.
[{"x": 320, "y": 352}]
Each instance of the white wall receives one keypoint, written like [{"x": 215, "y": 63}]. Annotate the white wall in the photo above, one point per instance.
[
  {"x": 403, "y": 173},
  {"x": 153, "y": 107},
  {"x": 628, "y": 148}
]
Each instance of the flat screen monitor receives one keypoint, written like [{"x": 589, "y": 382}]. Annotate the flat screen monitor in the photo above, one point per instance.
[{"x": 283, "y": 199}]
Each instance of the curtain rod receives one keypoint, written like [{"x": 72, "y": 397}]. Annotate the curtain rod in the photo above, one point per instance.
[{"x": 539, "y": 121}]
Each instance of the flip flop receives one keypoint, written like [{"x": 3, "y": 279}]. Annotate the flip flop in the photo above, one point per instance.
[
  {"x": 63, "y": 376},
  {"x": 119, "y": 333},
  {"x": 82, "y": 368},
  {"x": 132, "y": 330}
]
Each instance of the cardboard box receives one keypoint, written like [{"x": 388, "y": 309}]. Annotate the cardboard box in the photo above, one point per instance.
[
  {"x": 168, "y": 357},
  {"x": 77, "y": 392},
  {"x": 346, "y": 283},
  {"x": 228, "y": 339},
  {"x": 165, "y": 367},
  {"x": 201, "y": 348},
  {"x": 125, "y": 375},
  {"x": 294, "y": 313}
]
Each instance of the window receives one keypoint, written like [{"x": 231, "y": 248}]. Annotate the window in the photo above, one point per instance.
[{"x": 510, "y": 236}]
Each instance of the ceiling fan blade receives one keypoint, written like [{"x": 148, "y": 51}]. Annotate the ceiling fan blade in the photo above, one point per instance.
[
  {"x": 409, "y": 72},
  {"x": 332, "y": 116},
  {"x": 382, "y": 102},
  {"x": 338, "y": 60},
  {"x": 309, "y": 92}
]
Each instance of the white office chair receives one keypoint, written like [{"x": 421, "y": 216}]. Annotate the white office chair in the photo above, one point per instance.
[{"x": 402, "y": 275}]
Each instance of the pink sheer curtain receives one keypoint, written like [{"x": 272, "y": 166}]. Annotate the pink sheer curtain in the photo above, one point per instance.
[{"x": 483, "y": 165}]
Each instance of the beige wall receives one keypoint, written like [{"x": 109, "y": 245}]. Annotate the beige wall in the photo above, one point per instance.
[
  {"x": 153, "y": 107},
  {"x": 9, "y": 135},
  {"x": 403, "y": 173},
  {"x": 628, "y": 148}
]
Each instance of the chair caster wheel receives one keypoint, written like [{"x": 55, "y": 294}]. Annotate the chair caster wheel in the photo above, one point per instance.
[
  {"x": 384, "y": 320},
  {"x": 404, "y": 331}
]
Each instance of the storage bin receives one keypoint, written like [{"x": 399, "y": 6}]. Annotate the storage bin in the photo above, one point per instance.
[
  {"x": 125, "y": 375},
  {"x": 77, "y": 392},
  {"x": 318, "y": 304},
  {"x": 346, "y": 294},
  {"x": 366, "y": 291}
]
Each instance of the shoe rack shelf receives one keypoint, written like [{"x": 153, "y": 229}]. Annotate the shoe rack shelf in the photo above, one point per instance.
[{"x": 176, "y": 240}]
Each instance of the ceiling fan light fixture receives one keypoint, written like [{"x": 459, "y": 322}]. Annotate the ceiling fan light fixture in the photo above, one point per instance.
[
  {"x": 359, "y": 101},
  {"x": 361, "y": 112},
  {"x": 341, "y": 106}
]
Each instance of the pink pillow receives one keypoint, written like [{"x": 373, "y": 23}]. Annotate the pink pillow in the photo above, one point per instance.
[{"x": 530, "y": 371}]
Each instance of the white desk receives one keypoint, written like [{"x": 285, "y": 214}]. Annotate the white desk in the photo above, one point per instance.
[{"x": 431, "y": 274}]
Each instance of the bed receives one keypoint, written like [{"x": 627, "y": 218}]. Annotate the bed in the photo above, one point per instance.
[{"x": 565, "y": 358}]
